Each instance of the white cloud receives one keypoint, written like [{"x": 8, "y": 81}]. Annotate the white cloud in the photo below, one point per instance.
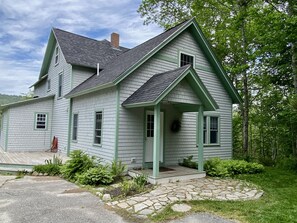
[{"x": 25, "y": 27}]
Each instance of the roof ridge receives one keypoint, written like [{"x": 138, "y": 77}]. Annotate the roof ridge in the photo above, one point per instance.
[{"x": 78, "y": 35}]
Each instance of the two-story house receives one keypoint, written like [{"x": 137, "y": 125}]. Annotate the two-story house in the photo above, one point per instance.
[{"x": 151, "y": 105}]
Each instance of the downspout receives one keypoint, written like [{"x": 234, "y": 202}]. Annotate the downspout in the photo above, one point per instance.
[{"x": 116, "y": 142}]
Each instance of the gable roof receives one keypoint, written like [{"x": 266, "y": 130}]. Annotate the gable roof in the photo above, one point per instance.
[
  {"x": 121, "y": 66},
  {"x": 80, "y": 50},
  {"x": 160, "y": 85}
]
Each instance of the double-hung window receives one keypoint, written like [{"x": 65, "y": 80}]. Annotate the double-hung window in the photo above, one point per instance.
[
  {"x": 41, "y": 121},
  {"x": 56, "y": 55},
  {"x": 60, "y": 85},
  {"x": 74, "y": 127},
  {"x": 186, "y": 59},
  {"x": 98, "y": 128},
  {"x": 211, "y": 130},
  {"x": 48, "y": 84}
]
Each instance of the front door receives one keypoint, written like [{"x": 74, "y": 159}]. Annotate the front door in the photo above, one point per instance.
[{"x": 149, "y": 140}]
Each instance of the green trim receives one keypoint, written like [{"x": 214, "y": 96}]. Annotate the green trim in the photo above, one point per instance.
[
  {"x": 90, "y": 90},
  {"x": 29, "y": 101},
  {"x": 69, "y": 126},
  {"x": 116, "y": 140},
  {"x": 157, "y": 128},
  {"x": 94, "y": 127},
  {"x": 165, "y": 58},
  {"x": 71, "y": 77},
  {"x": 199, "y": 36},
  {"x": 46, "y": 121},
  {"x": 6, "y": 136},
  {"x": 152, "y": 52},
  {"x": 144, "y": 136},
  {"x": 200, "y": 138}
]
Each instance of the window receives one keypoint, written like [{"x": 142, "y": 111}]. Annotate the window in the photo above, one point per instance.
[
  {"x": 186, "y": 59},
  {"x": 48, "y": 84},
  {"x": 60, "y": 87},
  {"x": 40, "y": 120},
  {"x": 211, "y": 130},
  {"x": 150, "y": 126},
  {"x": 74, "y": 128},
  {"x": 56, "y": 55},
  {"x": 98, "y": 128}
]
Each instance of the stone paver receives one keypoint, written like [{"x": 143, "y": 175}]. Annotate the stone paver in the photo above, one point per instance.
[{"x": 198, "y": 189}]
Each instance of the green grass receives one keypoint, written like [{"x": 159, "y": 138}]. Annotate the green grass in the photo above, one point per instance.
[{"x": 278, "y": 204}]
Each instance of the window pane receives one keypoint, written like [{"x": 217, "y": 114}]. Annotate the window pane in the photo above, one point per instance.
[
  {"x": 40, "y": 121},
  {"x": 186, "y": 59},
  {"x": 214, "y": 123},
  {"x": 213, "y": 137},
  {"x": 75, "y": 123},
  {"x": 98, "y": 128}
]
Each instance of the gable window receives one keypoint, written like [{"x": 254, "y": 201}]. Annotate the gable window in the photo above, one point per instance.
[
  {"x": 40, "y": 121},
  {"x": 48, "y": 84},
  {"x": 98, "y": 128},
  {"x": 60, "y": 87},
  {"x": 186, "y": 59},
  {"x": 211, "y": 130},
  {"x": 56, "y": 55},
  {"x": 74, "y": 128}
]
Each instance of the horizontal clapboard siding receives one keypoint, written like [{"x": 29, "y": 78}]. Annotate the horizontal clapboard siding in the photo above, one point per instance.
[
  {"x": 4, "y": 120},
  {"x": 180, "y": 144},
  {"x": 85, "y": 107},
  {"x": 80, "y": 74},
  {"x": 22, "y": 133}
]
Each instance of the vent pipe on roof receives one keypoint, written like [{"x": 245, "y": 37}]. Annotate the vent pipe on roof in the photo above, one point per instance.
[{"x": 98, "y": 69}]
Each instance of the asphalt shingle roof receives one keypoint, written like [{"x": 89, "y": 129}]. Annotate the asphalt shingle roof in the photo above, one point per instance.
[
  {"x": 155, "y": 86},
  {"x": 118, "y": 65},
  {"x": 83, "y": 51}
]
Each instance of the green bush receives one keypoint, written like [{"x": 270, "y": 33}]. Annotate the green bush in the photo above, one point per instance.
[
  {"x": 288, "y": 163},
  {"x": 96, "y": 176},
  {"x": 78, "y": 163},
  {"x": 188, "y": 162},
  {"x": 49, "y": 169},
  {"x": 140, "y": 180},
  {"x": 117, "y": 170},
  {"x": 223, "y": 168}
]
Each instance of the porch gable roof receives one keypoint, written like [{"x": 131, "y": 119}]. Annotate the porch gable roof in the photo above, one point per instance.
[{"x": 160, "y": 85}]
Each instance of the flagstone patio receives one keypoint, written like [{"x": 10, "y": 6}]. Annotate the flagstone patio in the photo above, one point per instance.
[{"x": 196, "y": 189}]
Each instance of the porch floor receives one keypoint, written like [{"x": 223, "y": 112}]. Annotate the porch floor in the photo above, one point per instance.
[
  {"x": 171, "y": 174},
  {"x": 12, "y": 161}
]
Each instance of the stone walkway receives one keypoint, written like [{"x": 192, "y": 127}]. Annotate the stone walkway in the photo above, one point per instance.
[{"x": 198, "y": 189}]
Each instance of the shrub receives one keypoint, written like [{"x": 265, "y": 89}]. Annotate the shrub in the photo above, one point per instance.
[
  {"x": 188, "y": 162},
  {"x": 224, "y": 168},
  {"x": 56, "y": 160},
  {"x": 140, "y": 180},
  {"x": 78, "y": 163},
  {"x": 288, "y": 163},
  {"x": 117, "y": 170},
  {"x": 49, "y": 169},
  {"x": 96, "y": 176}
]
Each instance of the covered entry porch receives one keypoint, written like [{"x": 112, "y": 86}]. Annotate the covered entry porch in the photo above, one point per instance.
[{"x": 178, "y": 91}]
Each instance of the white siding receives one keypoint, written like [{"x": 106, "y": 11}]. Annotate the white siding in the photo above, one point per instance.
[
  {"x": 85, "y": 107},
  {"x": 183, "y": 93},
  {"x": 131, "y": 139},
  {"x": 40, "y": 90},
  {"x": 80, "y": 74},
  {"x": 3, "y": 129},
  {"x": 22, "y": 133}
]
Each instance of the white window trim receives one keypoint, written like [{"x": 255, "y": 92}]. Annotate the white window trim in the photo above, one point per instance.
[
  {"x": 35, "y": 121},
  {"x": 207, "y": 142},
  {"x": 74, "y": 140},
  {"x": 57, "y": 55},
  {"x": 62, "y": 82},
  {"x": 186, "y": 53},
  {"x": 94, "y": 129}
]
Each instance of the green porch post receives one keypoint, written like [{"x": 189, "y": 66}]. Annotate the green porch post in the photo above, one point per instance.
[
  {"x": 157, "y": 132},
  {"x": 200, "y": 138}
]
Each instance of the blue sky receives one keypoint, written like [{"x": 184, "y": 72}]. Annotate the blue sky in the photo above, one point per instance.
[{"x": 25, "y": 26}]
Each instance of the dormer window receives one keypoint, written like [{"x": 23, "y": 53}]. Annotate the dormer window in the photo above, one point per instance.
[
  {"x": 48, "y": 84},
  {"x": 186, "y": 59},
  {"x": 56, "y": 55}
]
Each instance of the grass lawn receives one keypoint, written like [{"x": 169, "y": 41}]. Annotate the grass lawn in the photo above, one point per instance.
[{"x": 278, "y": 204}]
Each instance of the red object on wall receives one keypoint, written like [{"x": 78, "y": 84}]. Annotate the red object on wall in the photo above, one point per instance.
[{"x": 54, "y": 147}]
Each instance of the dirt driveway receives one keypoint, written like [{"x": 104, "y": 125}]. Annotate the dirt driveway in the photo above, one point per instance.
[{"x": 49, "y": 199}]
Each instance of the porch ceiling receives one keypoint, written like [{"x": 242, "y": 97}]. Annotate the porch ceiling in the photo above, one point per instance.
[{"x": 160, "y": 85}]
